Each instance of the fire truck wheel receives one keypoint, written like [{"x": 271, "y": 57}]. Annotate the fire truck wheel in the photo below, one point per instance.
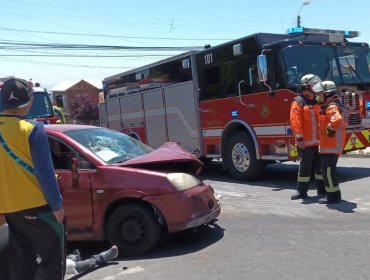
[
  {"x": 241, "y": 158},
  {"x": 134, "y": 229}
]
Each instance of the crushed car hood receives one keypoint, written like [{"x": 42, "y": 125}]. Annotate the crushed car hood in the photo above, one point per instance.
[{"x": 170, "y": 157}]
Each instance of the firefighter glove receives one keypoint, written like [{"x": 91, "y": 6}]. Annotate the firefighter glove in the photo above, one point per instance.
[
  {"x": 300, "y": 143},
  {"x": 330, "y": 132}
]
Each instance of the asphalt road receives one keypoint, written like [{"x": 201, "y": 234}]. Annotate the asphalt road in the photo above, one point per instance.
[{"x": 262, "y": 234}]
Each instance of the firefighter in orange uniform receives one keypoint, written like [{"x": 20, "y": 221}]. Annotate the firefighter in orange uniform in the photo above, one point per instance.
[
  {"x": 304, "y": 114},
  {"x": 332, "y": 130}
]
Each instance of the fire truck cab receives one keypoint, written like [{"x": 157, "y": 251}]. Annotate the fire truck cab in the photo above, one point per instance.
[
  {"x": 232, "y": 101},
  {"x": 42, "y": 109}
]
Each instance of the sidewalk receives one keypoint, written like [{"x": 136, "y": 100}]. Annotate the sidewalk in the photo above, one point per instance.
[{"x": 359, "y": 153}]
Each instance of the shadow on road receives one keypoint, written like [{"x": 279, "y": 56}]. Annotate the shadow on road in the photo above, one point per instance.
[
  {"x": 344, "y": 206},
  {"x": 279, "y": 176},
  {"x": 276, "y": 176},
  {"x": 182, "y": 243},
  {"x": 187, "y": 242}
]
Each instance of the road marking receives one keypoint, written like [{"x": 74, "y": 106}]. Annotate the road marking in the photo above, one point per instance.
[
  {"x": 233, "y": 194},
  {"x": 124, "y": 272}
]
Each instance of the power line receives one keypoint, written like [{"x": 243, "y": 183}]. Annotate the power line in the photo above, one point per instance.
[
  {"x": 79, "y": 55},
  {"x": 5, "y": 44},
  {"x": 115, "y": 36}
]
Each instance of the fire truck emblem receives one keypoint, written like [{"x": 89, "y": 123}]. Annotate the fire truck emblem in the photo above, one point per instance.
[
  {"x": 353, "y": 140},
  {"x": 265, "y": 112}
]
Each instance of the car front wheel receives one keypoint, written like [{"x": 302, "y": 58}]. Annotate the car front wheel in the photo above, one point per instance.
[{"x": 134, "y": 229}]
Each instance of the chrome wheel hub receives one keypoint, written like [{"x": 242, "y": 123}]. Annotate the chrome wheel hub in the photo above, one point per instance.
[{"x": 240, "y": 157}]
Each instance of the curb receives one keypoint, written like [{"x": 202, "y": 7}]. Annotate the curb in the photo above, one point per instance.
[{"x": 356, "y": 155}]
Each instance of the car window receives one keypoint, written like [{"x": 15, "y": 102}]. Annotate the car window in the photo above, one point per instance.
[{"x": 62, "y": 155}]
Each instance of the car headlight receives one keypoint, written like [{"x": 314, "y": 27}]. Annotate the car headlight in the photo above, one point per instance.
[{"x": 182, "y": 181}]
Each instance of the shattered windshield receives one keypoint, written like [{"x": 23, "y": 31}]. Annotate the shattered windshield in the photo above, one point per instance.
[
  {"x": 109, "y": 145},
  {"x": 343, "y": 65}
]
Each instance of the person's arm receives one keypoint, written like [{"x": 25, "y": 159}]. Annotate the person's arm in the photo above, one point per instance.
[
  {"x": 44, "y": 169},
  {"x": 296, "y": 122},
  {"x": 335, "y": 120}
]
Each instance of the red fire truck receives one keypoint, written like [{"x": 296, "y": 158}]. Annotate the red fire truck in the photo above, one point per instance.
[{"x": 232, "y": 101}]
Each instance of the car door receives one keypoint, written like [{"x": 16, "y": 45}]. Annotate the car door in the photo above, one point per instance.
[{"x": 74, "y": 186}]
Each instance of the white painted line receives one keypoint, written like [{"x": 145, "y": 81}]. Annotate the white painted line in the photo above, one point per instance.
[
  {"x": 232, "y": 194},
  {"x": 124, "y": 272}
]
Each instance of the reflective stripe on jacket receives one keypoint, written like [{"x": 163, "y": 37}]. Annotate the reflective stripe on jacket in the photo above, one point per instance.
[
  {"x": 332, "y": 116},
  {"x": 21, "y": 189},
  {"x": 304, "y": 114}
]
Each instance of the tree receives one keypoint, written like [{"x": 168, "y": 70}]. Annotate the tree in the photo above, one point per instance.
[{"x": 84, "y": 108}]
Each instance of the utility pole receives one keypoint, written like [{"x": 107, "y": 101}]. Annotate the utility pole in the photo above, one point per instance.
[{"x": 305, "y": 3}]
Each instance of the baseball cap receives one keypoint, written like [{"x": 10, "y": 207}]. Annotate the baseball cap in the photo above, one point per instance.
[{"x": 15, "y": 94}]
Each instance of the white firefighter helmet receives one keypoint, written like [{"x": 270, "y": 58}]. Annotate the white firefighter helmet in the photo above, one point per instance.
[
  {"x": 312, "y": 83},
  {"x": 329, "y": 86},
  {"x": 330, "y": 89}
]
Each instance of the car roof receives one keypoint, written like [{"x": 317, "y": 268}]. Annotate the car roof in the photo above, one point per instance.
[{"x": 67, "y": 127}]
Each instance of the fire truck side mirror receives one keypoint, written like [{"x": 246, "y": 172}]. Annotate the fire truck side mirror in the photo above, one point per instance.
[{"x": 262, "y": 68}]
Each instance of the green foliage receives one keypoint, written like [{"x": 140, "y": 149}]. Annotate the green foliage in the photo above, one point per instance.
[{"x": 84, "y": 108}]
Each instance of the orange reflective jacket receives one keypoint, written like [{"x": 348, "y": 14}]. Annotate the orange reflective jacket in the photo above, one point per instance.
[
  {"x": 332, "y": 117},
  {"x": 304, "y": 114}
]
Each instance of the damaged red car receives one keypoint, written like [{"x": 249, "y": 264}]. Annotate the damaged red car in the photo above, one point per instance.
[{"x": 118, "y": 189}]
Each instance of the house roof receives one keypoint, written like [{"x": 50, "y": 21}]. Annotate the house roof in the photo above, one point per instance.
[{"x": 65, "y": 85}]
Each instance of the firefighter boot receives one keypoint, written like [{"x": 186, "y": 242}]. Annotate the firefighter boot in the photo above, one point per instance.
[
  {"x": 321, "y": 193},
  {"x": 330, "y": 198},
  {"x": 298, "y": 195}
]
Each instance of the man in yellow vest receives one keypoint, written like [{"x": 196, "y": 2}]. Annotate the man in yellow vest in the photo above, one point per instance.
[
  {"x": 59, "y": 112},
  {"x": 29, "y": 193}
]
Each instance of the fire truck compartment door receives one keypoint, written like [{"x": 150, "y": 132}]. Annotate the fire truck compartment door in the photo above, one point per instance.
[
  {"x": 182, "y": 125},
  {"x": 170, "y": 115},
  {"x": 132, "y": 111},
  {"x": 154, "y": 117},
  {"x": 114, "y": 117}
]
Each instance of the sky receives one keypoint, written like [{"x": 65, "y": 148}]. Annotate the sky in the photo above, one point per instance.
[{"x": 54, "y": 41}]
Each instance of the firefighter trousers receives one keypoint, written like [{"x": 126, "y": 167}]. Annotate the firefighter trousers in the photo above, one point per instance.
[
  {"x": 329, "y": 172},
  {"x": 309, "y": 163},
  {"x": 36, "y": 244}
]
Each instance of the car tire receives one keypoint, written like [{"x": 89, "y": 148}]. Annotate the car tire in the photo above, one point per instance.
[
  {"x": 134, "y": 229},
  {"x": 241, "y": 158}
]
